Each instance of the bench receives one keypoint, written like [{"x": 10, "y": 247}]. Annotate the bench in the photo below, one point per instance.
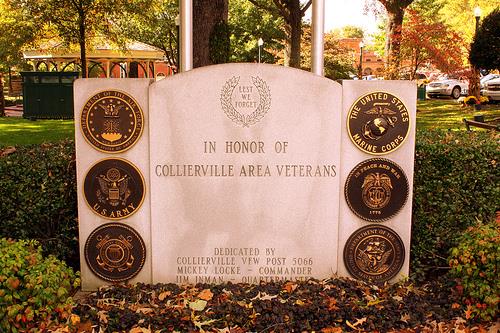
[{"x": 493, "y": 124}]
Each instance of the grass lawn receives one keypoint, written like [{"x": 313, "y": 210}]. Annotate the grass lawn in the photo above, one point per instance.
[
  {"x": 435, "y": 113},
  {"x": 19, "y": 131},
  {"x": 448, "y": 114}
]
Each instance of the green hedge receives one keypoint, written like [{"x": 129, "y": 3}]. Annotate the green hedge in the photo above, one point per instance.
[
  {"x": 455, "y": 184},
  {"x": 38, "y": 198}
]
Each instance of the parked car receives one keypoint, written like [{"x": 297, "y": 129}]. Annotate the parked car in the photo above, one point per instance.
[
  {"x": 448, "y": 87},
  {"x": 492, "y": 89},
  {"x": 487, "y": 78}
]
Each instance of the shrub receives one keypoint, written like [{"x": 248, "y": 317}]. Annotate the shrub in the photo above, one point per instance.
[
  {"x": 33, "y": 290},
  {"x": 38, "y": 191},
  {"x": 455, "y": 184},
  {"x": 475, "y": 263}
]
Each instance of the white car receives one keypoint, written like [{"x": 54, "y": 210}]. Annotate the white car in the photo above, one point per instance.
[
  {"x": 447, "y": 87},
  {"x": 487, "y": 78},
  {"x": 492, "y": 89}
]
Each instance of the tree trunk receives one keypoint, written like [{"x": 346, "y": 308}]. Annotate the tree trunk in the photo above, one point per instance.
[
  {"x": 393, "y": 41},
  {"x": 81, "y": 41},
  {"x": 295, "y": 23},
  {"x": 206, "y": 14},
  {"x": 474, "y": 83},
  {"x": 2, "y": 97}
]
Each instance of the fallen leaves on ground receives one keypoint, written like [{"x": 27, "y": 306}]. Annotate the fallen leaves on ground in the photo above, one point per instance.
[
  {"x": 329, "y": 306},
  {"x": 7, "y": 151}
]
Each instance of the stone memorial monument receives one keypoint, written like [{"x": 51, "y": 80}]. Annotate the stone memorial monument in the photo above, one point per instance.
[{"x": 243, "y": 173}]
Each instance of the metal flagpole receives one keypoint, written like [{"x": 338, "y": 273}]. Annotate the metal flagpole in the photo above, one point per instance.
[
  {"x": 186, "y": 32},
  {"x": 318, "y": 27}
]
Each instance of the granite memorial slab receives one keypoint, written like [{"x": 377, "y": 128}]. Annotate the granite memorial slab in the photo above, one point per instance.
[{"x": 245, "y": 175}]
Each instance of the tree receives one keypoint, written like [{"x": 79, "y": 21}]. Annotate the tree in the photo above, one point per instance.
[
  {"x": 78, "y": 21},
  {"x": 292, "y": 12},
  {"x": 154, "y": 26},
  {"x": 349, "y": 31},
  {"x": 338, "y": 60},
  {"x": 485, "y": 47},
  {"x": 249, "y": 23},
  {"x": 426, "y": 41},
  {"x": 17, "y": 31},
  {"x": 209, "y": 20},
  {"x": 459, "y": 15},
  {"x": 395, "y": 10}
]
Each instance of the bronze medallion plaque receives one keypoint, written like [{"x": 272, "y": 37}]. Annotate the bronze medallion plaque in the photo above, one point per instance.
[
  {"x": 376, "y": 189},
  {"x": 114, "y": 188},
  {"x": 112, "y": 121},
  {"x": 374, "y": 254},
  {"x": 115, "y": 252},
  {"x": 378, "y": 123}
]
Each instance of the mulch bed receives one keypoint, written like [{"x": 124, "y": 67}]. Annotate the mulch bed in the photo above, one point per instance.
[{"x": 328, "y": 306}]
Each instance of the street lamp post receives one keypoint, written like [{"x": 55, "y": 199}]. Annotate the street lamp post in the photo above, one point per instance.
[
  {"x": 360, "y": 71},
  {"x": 260, "y": 43},
  {"x": 477, "y": 15}
]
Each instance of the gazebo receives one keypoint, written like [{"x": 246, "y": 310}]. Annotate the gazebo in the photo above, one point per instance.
[{"x": 134, "y": 59}]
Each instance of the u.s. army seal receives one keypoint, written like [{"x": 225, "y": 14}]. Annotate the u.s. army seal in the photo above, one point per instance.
[
  {"x": 114, "y": 188},
  {"x": 378, "y": 123},
  {"x": 115, "y": 252},
  {"x": 374, "y": 254},
  {"x": 111, "y": 121}
]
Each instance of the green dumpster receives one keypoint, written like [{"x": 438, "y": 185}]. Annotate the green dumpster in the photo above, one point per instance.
[
  {"x": 48, "y": 95},
  {"x": 421, "y": 93}
]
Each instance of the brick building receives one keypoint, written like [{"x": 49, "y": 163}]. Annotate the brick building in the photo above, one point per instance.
[{"x": 372, "y": 64}]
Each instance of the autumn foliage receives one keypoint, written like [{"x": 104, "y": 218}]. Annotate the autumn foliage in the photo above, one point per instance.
[{"x": 426, "y": 41}]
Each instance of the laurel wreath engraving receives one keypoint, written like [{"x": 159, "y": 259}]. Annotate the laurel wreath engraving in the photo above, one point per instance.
[{"x": 235, "y": 115}]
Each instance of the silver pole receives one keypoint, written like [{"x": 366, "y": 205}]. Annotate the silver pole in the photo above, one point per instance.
[
  {"x": 318, "y": 27},
  {"x": 186, "y": 11}
]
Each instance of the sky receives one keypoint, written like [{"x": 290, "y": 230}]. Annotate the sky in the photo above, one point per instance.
[{"x": 339, "y": 13}]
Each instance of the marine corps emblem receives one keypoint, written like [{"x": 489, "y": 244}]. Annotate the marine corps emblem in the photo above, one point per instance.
[
  {"x": 374, "y": 254},
  {"x": 382, "y": 122},
  {"x": 111, "y": 121},
  {"x": 378, "y": 123},
  {"x": 114, "y": 188},
  {"x": 376, "y": 189},
  {"x": 115, "y": 252}
]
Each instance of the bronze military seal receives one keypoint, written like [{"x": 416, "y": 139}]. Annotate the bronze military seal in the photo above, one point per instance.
[
  {"x": 115, "y": 252},
  {"x": 374, "y": 254},
  {"x": 114, "y": 188},
  {"x": 112, "y": 121},
  {"x": 376, "y": 189},
  {"x": 378, "y": 123}
]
